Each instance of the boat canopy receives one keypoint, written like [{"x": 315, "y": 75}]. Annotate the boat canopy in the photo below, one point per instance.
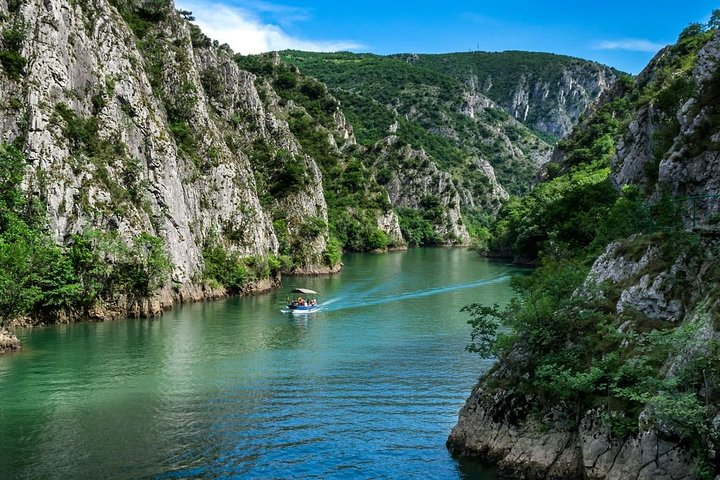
[{"x": 304, "y": 290}]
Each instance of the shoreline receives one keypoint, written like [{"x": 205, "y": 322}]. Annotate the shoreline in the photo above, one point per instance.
[{"x": 156, "y": 306}]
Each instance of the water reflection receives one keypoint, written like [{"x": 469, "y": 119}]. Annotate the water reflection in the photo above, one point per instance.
[{"x": 234, "y": 388}]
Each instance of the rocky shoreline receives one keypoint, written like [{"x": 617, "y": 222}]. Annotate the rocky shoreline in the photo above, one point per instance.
[
  {"x": 495, "y": 428},
  {"x": 125, "y": 307}
]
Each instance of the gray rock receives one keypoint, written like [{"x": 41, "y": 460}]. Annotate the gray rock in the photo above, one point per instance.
[
  {"x": 555, "y": 106},
  {"x": 390, "y": 224},
  {"x": 8, "y": 342},
  {"x": 415, "y": 178},
  {"x": 84, "y": 56}
]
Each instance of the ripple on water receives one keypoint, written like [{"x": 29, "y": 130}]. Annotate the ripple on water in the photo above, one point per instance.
[{"x": 368, "y": 388}]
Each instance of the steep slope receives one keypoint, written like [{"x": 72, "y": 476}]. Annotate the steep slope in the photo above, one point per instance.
[
  {"x": 454, "y": 125},
  {"x": 609, "y": 367},
  {"x": 545, "y": 91},
  {"x": 134, "y": 123},
  {"x": 425, "y": 196},
  {"x": 361, "y": 211}
]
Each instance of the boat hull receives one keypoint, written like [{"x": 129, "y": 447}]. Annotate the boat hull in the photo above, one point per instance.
[{"x": 300, "y": 309}]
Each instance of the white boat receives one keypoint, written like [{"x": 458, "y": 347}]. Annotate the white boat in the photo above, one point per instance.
[{"x": 300, "y": 305}]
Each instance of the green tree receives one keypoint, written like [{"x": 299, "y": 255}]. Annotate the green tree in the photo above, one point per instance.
[
  {"x": 18, "y": 293},
  {"x": 144, "y": 267}
]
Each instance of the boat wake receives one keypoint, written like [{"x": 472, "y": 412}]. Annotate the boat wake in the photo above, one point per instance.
[{"x": 367, "y": 300}]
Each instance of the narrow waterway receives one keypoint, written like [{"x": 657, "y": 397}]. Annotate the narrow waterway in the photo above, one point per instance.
[{"x": 367, "y": 388}]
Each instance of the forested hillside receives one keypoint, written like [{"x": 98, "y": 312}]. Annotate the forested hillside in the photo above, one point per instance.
[
  {"x": 381, "y": 95},
  {"x": 545, "y": 91},
  {"x": 608, "y": 358}
]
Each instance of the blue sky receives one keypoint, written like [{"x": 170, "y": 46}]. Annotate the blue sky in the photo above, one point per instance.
[{"x": 622, "y": 34}]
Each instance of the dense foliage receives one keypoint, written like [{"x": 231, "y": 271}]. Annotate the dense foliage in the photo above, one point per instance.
[
  {"x": 41, "y": 278},
  {"x": 224, "y": 268},
  {"x": 11, "y": 40},
  {"x": 377, "y": 92},
  {"x": 563, "y": 340}
]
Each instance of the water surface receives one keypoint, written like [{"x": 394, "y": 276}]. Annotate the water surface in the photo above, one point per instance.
[{"x": 367, "y": 388}]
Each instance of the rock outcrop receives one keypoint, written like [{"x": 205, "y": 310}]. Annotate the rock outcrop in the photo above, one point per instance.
[
  {"x": 390, "y": 224},
  {"x": 149, "y": 130},
  {"x": 687, "y": 165},
  {"x": 555, "y": 105},
  {"x": 661, "y": 282},
  {"x": 8, "y": 342},
  {"x": 546, "y": 449},
  {"x": 498, "y": 425},
  {"x": 544, "y": 91},
  {"x": 416, "y": 181}
]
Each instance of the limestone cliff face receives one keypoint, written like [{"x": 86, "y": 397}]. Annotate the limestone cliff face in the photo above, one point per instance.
[
  {"x": 148, "y": 134},
  {"x": 554, "y": 105},
  {"x": 495, "y": 423},
  {"x": 415, "y": 180},
  {"x": 669, "y": 148},
  {"x": 689, "y": 167},
  {"x": 544, "y": 91},
  {"x": 504, "y": 130},
  {"x": 390, "y": 224}
]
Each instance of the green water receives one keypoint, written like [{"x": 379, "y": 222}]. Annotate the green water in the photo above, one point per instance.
[{"x": 367, "y": 388}]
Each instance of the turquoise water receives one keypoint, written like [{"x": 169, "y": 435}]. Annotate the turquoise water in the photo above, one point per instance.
[{"x": 367, "y": 388}]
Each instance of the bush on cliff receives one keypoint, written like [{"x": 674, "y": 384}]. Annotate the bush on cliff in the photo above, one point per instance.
[
  {"x": 39, "y": 277},
  {"x": 559, "y": 341}
]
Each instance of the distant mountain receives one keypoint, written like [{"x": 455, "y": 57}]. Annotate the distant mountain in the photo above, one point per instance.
[
  {"x": 456, "y": 125},
  {"x": 545, "y": 91}
]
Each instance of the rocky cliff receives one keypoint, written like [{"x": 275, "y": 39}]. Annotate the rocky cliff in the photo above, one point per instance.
[
  {"x": 505, "y": 427},
  {"x": 546, "y": 92},
  {"x": 412, "y": 180},
  {"x": 133, "y": 121},
  {"x": 360, "y": 214},
  {"x": 671, "y": 147},
  {"x": 617, "y": 378}
]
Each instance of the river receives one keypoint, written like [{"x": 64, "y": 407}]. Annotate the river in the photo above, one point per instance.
[{"x": 367, "y": 388}]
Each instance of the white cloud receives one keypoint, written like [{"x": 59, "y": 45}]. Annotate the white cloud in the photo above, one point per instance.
[
  {"x": 629, "y": 44},
  {"x": 246, "y": 33}
]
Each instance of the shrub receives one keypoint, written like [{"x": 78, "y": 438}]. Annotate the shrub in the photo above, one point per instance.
[
  {"x": 312, "y": 227},
  {"x": 143, "y": 267},
  {"x": 10, "y": 57},
  {"x": 333, "y": 252},
  {"x": 377, "y": 239},
  {"x": 225, "y": 268}
]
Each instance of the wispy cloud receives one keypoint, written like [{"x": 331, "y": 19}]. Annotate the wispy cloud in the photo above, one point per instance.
[
  {"x": 246, "y": 32},
  {"x": 629, "y": 44}
]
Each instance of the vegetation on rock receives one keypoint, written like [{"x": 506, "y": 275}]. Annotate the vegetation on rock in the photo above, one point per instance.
[
  {"x": 569, "y": 343},
  {"x": 353, "y": 196},
  {"x": 503, "y": 76},
  {"x": 426, "y": 109},
  {"x": 42, "y": 279}
]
